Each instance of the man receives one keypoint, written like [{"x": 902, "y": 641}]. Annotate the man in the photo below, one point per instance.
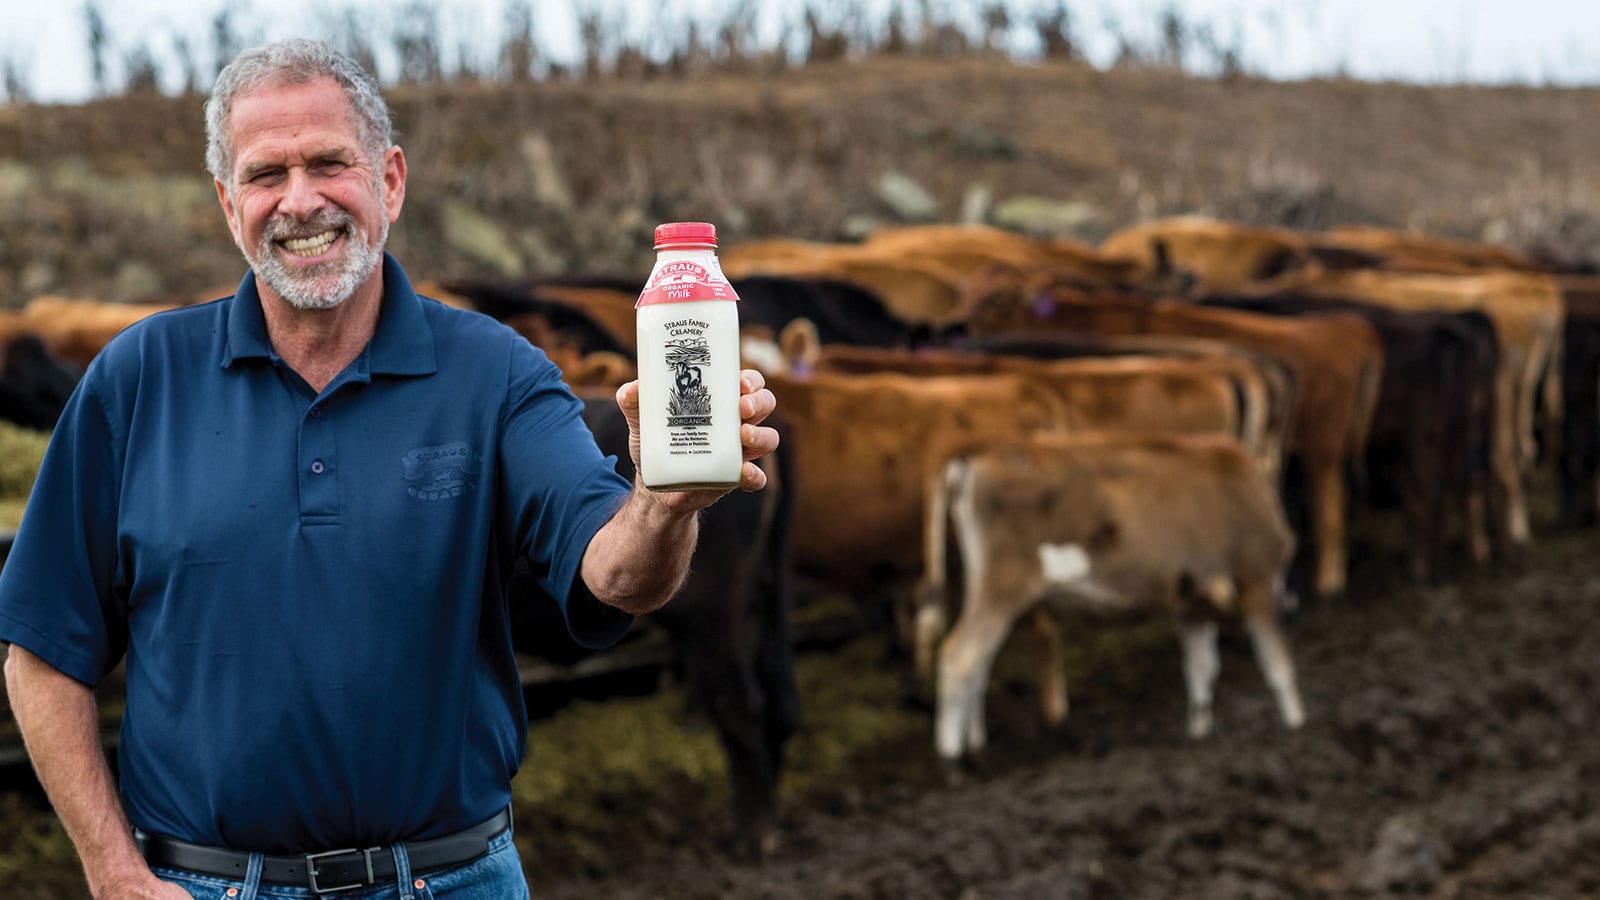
[{"x": 295, "y": 511}]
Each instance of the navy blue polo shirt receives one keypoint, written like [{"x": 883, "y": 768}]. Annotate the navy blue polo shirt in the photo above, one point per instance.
[{"x": 310, "y": 588}]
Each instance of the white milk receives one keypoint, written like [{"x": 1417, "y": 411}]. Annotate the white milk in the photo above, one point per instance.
[{"x": 688, "y": 328}]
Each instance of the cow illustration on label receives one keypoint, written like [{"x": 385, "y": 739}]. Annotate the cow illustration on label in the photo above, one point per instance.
[{"x": 690, "y": 400}]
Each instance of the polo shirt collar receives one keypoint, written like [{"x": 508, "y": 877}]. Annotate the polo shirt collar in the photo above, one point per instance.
[{"x": 402, "y": 344}]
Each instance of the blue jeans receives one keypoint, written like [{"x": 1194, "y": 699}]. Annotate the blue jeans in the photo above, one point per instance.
[{"x": 496, "y": 876}]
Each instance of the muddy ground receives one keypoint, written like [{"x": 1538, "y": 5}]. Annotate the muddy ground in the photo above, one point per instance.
[{"x": 1450, "y": 752}]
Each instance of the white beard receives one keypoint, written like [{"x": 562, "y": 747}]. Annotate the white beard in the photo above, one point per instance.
[{"x": 326, "y": 285}]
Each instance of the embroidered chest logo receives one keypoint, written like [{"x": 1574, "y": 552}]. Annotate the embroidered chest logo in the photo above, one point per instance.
[{"x": 439, "y": 473}]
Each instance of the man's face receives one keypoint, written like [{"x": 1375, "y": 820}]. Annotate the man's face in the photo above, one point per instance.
[{"x": 307, "y": 207}]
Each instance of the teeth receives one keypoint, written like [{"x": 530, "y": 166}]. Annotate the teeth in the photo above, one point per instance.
[{"x": 310, "y": 246}]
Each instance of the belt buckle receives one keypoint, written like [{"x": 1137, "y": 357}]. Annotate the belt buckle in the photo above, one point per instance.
[{"x": 311, "y": 870}]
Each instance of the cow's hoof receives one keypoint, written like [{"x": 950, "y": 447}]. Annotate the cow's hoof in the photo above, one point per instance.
[{"x": 1200, "y": 724}]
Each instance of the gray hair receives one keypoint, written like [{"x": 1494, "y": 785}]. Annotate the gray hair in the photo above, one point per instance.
[{"x": 284, "y": 64}]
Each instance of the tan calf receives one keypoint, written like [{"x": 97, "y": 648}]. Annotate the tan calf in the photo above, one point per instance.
[{"x": 1186, "y": 526}]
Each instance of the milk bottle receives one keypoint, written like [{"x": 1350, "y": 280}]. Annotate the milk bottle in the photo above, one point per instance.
[{"x": 688, "y": 328}]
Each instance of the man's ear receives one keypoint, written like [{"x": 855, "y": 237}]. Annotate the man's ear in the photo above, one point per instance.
[
  {"x": 228, "y": 209},
  {"x": 394, "y": 181}
]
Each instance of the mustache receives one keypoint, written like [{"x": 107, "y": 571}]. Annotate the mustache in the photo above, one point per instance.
[{"x": 285, "y": 227}]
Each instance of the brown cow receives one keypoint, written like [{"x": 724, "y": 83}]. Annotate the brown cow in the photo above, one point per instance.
[
  {"x": 1413, "y": 252},
  {"x": 970, "y": 249},
  {"x": 1337, "y": 363},
  {"x": 77, "y": 330},
  {"x": 1221, "y": 256},
  {"x": 863, "y": 449},
  {"x": 1168, "y": 395},
  {"x": 1106, "y": 523}
]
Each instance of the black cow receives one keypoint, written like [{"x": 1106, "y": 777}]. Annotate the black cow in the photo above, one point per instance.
[
  {"x": 1579, "y": 459},
  {"x": 729, "y": 628},
  {"x": 34, "y": 383},
  {"x": 841, "y": 312},
  {"x": 1430, "y": 437}
]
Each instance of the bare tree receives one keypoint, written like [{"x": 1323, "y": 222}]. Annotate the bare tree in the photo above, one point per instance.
[
  {"x": 14, "y": 77},
  {"x": 520, "y": 52},
  {"x": 143, "y": 73},
  {"x": 95, "y": 23},
  {"x": 226, "y": 41},
  {"x": 1172, "y": 38},
  {"x": 895, "y": 41},
  {"x": 996, "y": 22},
  {"x": 352, "y": 32},
  {"x": 1054, "y": 27},
  {"x": 592, "y": 38},
  {"x": 737, "y": 35},
  {"x": 188, "y": 64},
  {"x": 416, "y": 44}
]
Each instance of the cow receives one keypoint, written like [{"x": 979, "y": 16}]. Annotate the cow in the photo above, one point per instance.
[
  {"x": 1402, "y": 251},
  {"x": 972, "y": 249},
  {"x": 1579, "y": 455},
  {"x": 729, "y": 627},
  {"x": 1177, "y": 395},
  {"x": 1337, "y": 362},
  {"x": 75, "y": 331},
  {"x": 34, "y": 383},
  {"x": 841, "y": 312},
  {"x": 1431, "y": 433},
  {"x": 863, "y": 450},
  {"x": 1110, "y": 523},
  {"x": 1219, "y": 256},
  {"x": 1528, "y": 315}
]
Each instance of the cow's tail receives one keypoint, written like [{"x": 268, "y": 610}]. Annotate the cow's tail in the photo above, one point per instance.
[
  {"x": 1251, "y": 388},
  {"x": 931, "y": 615}
]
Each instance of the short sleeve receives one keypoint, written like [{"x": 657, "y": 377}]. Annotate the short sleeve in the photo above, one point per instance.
[
  {"x": 58, "y": 597},
  {"x": 559, "y": 489}
]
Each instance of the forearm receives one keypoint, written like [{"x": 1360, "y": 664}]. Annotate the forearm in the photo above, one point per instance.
[
  {"x": 639, "y": 559},
  {"x": 58, "y": 720}
]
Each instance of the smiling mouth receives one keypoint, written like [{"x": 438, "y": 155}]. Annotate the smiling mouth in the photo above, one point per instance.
[{"x": 310, "y": 246}]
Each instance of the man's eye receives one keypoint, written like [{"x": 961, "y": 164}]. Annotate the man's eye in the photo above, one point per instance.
[
  {"x": 329, "y": 167},
  {"x": 267, "y": 176}
]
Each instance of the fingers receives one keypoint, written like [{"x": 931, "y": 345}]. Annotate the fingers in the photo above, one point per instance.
[
  {"x": 755, "y": 401},
  {"x": 758, "y": 440},
  {"x": 751, "y": 478},
  {"x": 628, "y": 397}
]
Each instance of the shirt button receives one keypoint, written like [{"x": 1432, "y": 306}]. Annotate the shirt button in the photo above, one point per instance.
[
  {"x": 316, "y": 411},
  {"x": 317, "y": 467}
]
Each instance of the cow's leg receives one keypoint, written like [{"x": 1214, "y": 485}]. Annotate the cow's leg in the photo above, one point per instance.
[
  {"x": 1325, "y": 481},
  {"x": 1200, "y": 668},
  {"x": 1510, "y": 501},
  {"x": 1049, "y": 665},
  {"x": 1272, "y": 653},
  {"x": 1477, "y": 515},
  {"x": 965, "y": 660},
  {"x": 931, "y": 622}
]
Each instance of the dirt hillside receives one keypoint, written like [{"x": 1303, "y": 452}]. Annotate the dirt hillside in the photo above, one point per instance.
[{"x": 110, "y": 199}]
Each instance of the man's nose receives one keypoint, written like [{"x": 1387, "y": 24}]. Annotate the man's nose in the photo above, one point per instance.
[{"x": 300, "y": 195}]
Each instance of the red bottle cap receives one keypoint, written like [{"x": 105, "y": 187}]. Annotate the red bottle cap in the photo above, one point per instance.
[{"x": 679, "y": 234}]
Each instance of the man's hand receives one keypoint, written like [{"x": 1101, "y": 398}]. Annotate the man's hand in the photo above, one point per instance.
[
  {"x": 755, "y": 404},
  {"x": 58, "y": 722},
  {"x": 148, "y": 887}
]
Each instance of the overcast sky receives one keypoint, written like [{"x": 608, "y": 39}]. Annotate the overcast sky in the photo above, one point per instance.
[{"x": 1531, "y": 41}]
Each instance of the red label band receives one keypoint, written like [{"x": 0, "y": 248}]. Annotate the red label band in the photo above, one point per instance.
[{"x": 683, "y": 282}]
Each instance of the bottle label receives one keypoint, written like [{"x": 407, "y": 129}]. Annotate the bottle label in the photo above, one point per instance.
[
  {"x": 683, "y": 281},
  {"x": 687, "y": 356}
]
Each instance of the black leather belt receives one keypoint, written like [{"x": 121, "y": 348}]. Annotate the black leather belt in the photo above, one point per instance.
[{"x": 330, "y": 871}]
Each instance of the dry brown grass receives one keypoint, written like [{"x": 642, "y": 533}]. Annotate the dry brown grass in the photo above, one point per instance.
[{"x": 109, "y": 199}]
